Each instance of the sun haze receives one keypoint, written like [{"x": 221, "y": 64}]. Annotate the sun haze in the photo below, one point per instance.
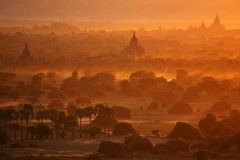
[{"x": 119, "y": 79}]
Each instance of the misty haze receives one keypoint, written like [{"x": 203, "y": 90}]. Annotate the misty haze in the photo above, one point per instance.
[{"x": 119, "y": 80}]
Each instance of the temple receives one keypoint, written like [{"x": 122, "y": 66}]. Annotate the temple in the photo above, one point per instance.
[
  {"x": 217, "y": 26},
  {"x": 134, "y": 50},
  {"x": 26, "y": 56},
  {"x": 203, "y": 26}
]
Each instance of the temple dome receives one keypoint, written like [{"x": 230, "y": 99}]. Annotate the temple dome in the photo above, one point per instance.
[
  {"x": 134, "y": 49},
  {"x": 26, "y": 56}
]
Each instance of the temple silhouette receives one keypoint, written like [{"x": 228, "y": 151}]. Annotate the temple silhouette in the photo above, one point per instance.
[
  {"x": 26, "y": 56},
  {"x": 134, "y": 50},
  {"x": 217, "y": 25}
]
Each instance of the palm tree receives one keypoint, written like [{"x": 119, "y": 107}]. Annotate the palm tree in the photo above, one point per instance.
[
  {"x": 99, "y": 108},
  {"x": 89, "y": 111},
  {"x": 59, "y": 120},
  {"x": 3, "y": 137},
  {"x": 15, "y": 127},
  {"x": 51, "y": 114},
  {"x": 21, "y": 122},
  {"x": 71, "y": 122},
  {"x": 80, "y": 114},
  {"x": 105, "y": 119},
  {"x": 7, "y": 116},
  {"x": 40, "y": 116},
  {"x": 26, "y": 112},
  {"x": 109, "y": 112},
  {"x": 4, "y": 116}
]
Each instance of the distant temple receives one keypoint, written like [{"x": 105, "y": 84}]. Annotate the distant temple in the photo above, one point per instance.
[
  {"x": 217, "y": 26},
  {"x": 133, "y": 50},
  {"x": 203, "y": 26},
  {"x": 26, "y": 56}
]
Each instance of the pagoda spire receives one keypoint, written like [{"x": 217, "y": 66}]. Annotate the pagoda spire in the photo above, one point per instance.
[
  {"x": 203, "y": 26},
  {"x": 217, "y": 25},
  {"x": 133, "y": 50},
  {"x": 26, "y": 55},
  {"x": 134, "y": 41},
  {"x": 217, "y": 20}
]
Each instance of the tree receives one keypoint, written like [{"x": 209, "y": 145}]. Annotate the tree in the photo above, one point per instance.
[
  {"x": 233, "y": 120},
  {"x": 211, "y": 86},
  {"x": 141, "y": 75},
  {"x": 51, "y": 114},
  {"x": 207, "y": 123},
  {"x": 15, "y": 127},
  {"x": 7, "y": 115},
  {"x": 105, "y": 81},
  {"x": 56, "y": 104},
  {"x": 71, "y": 122},
  {"x": 89, "y": 111},
  {"x": 41, "y": 115},
  {"x": 37, "y": 79},
  {"x": 105, "y": 119},
  {"x": 59, "y": 121},
  {"x": 6, "y": 118},
  {"x": 3, "y": 137},
  {"x": 71, "y": 109},
  {"x": 26, "y": 112},
  {"x": 75, "y": 74},
  {"x": 80, "y": 114},
  {"x": 83, "y": 101},
  {"x": 122, "y": 112},
  {"x": 167, "y": 96},
  {"x": 40, "y": 131},
  {"x": 70, "y": 85},
  {"x": 55, "y": 94},
  {"x": 51, "y": 76},
  {"x": 181, "y": 108},
  {"x": 36, "y": 93},
  {"x": 99, "y": 108},
  {"x": 191, "y": 93},
  {"x": 221, "y": 107}
]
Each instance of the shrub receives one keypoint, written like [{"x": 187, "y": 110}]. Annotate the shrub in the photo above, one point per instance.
[
  {"x": 185, "y": 131},
  {"x": 123, "y": 129},
  {"x": 221, "y": 107},
  {"x": 181, "y": 108}
]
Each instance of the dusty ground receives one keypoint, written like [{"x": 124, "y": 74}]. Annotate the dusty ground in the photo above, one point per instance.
[{"x": 74, "y": 150}]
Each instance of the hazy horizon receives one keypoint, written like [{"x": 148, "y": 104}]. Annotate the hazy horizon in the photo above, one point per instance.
[{"x": 125, "y": 10}]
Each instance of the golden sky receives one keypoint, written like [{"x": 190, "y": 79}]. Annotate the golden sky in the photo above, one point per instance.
[{"x": 137, "y": 10}]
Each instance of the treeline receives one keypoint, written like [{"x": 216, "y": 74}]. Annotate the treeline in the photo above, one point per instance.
[
  {"x": 184, "y": 87},
  {"x": 28, "y": 121}
]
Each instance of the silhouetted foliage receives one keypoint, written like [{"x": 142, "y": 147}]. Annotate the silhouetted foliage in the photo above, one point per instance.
[
  {"x": 3, "y": 137},
  {"x": 83, "y": 101},
  {"x": 123, "y": 129},
  {"x": 205, "y": 124},
  {"x": 56, "y": 104},
  {"x": 136, "y": 143},
  {"x": 181, "y": 108},
  {"x": 122, "y": 112},
  {"x": 221, "y": 107},
  {"x": 40, "y": 131},
  {"x": 185, "y": 131}
]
